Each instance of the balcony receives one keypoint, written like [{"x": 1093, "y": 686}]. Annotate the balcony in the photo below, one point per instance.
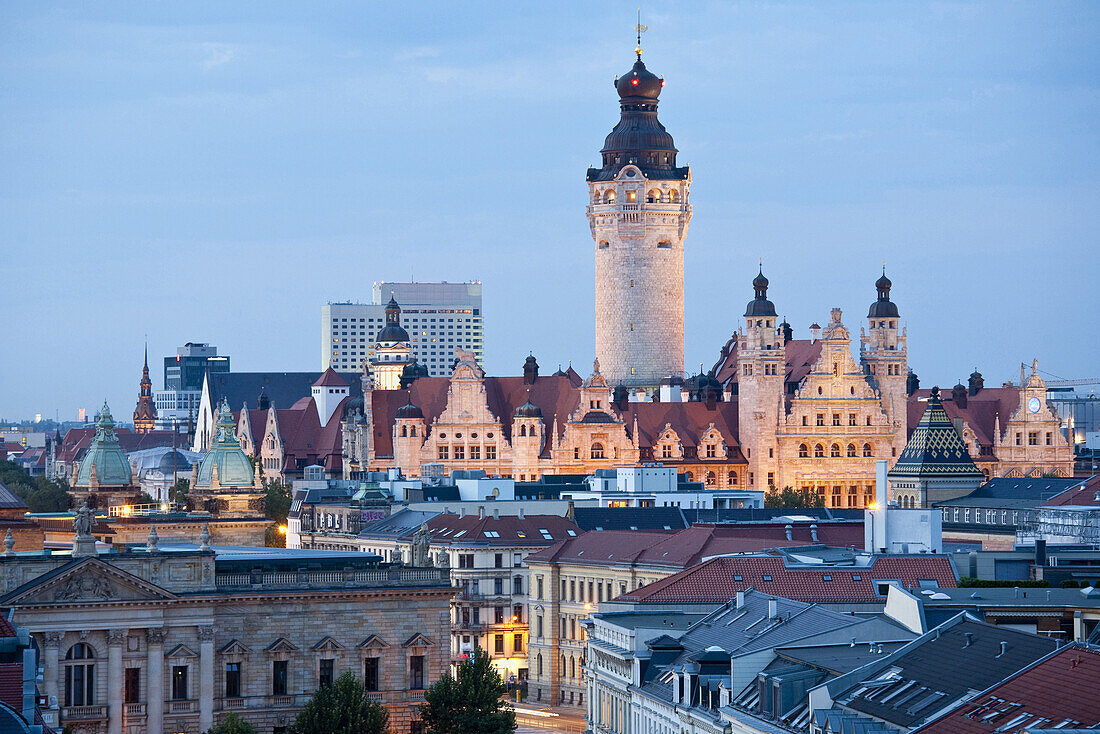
[
  {"x": 182, "y": 707},
  {"x": 133, "y": 710},
  {"x": 83, "y": 713},
  {"x": 230, "y": 704},
  {"x": 282, "y": 702}
]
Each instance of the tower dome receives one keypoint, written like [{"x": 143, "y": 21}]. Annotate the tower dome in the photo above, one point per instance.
[
  {"x": 392, "y": 331},
  {"x": 760, "y": 305},
  {"x": 883, "y": 308},
  {"x": 528, "y": 410},
  {"x": 409, "y": 410},
  {"x": 233, "y": 467},
  {"x": 112, "y": 469}
]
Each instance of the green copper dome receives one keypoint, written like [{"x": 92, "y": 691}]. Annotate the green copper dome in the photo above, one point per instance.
[
  {"x": 234, "y": 468},
  {"x": 111, "y": 466}
]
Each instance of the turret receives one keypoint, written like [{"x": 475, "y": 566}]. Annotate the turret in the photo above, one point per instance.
[
  {"x": 885, "y": 359},
  {"x": 761, "y": 357},
  {"x": 392, "y": 350}
]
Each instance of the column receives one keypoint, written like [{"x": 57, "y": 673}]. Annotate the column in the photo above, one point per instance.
[
  {"x": 154, "y": 696},
  {"x": 115, "y": 639},
  {"x": 51, "y": 662},
  {"x": 206, "y": 678}
]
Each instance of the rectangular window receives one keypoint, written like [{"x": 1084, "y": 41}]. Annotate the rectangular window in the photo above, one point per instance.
[
  {"x": 416, "y": 672},
  {"x": 475, "y": 452},
  {"x": 498, "y": 560},
  {"x": 460, "y": 452},
  {"x": 517, "y": 585},
  {"x": 820, "y": 419},
  {"x": 444, "y": 452},
  {"x": 1049, "y": 439},
  {"x": 498, "y": 586},
  {"x": 851, "y": 419},
  {"x": 324, "y": 674},
  {"x": 517, "y": 643},
  {"x": 538, "y": 626},
  {"x": 836, "y": 419},
  {"x": 370, "y": 674},
  {"x": 710, "y": 451},
  {"x": 133, "y": 685},
  {"x": 179, "y": 682},
  {"x": 490, "y": 453},
  {"x": 498, "y": 644},
  {"x": 278, "y": 678},
  {"x": 539, "y": 584},
  {"x": 232, "y": 680},
  {"x": 498, "y": 615},
  {"x": 1019, "y": 439},
  {"x": 1032, "y": 438}
]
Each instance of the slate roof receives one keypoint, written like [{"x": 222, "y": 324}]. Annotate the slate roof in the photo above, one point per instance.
[
  {"x": 935, "y": 448},
  {"x": 719, "y": 579},
  {"x": 1023, "y": 493},
  {"x": 837, "y": 659},
  {"x": 1038, "y": 691},
  {"x": 283, "y": 389},
  {"x": 506, "y": 530},
  {"x": 10, "y": 500},
  {"x": 630, "y": 518}
]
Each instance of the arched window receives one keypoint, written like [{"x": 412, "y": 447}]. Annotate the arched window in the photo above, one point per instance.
[
  {"x": 597, "y": 451},
  {"x": 538, "y": 665},
  {"x": 523, "y": 430},
  {"x": 572, "y": 667},
  {"x": 733, "y": 478},
  {"x": 867, "y": 450},
  {"x": 819, "y": 451},
  {"x": 711, "y": 479},
  {"x": 851, "y": 449},
  {"x": 689, "y": 476},
  {"x": 80, "y": 675},
  {"x": 653, "y": 196},
  {"x": 604, "y": 244},
  {"x": 674, "y": 196},
  {"x": 834, "y": 451},
  {"x": 803, "y": 451},
  {"x": 609, "y": 197},
  {"x": 412, "y": 430},
  {"x": 404, "y": 431}
]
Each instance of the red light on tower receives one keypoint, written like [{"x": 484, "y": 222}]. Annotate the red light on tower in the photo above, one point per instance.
[{"x": 634, "y": 82}]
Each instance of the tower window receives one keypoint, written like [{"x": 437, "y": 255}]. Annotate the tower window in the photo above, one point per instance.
[
  {"x": 664, "y": 245},
  {"x": 631, "y": 196},
  {"x": 604, "y": 245}
]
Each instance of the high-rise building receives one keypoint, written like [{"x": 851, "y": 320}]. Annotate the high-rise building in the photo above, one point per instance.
[
  {"x": 438, "y": 317},
  {"x": 639, "y": 214},
  {"x": 178, "y": 402}
]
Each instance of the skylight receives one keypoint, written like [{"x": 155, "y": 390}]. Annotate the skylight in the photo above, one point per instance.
[{"x": 571, "y": 533}]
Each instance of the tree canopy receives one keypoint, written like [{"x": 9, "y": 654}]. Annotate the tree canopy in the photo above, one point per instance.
[
  {"x": 470, "y": 702},
  {"x": 232, "y": 724},
  {"x": 790, "y": 498},
  {"x": 40, "y": 494},
  {"x": 342, "y": 708}
]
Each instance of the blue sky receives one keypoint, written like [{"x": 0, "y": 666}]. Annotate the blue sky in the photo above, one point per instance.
[{"x": 217, "y": 171}]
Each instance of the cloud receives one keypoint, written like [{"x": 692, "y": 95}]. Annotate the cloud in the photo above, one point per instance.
[
  {"x": 216, "y": 54},
  {"x": 414, "y": 53}
]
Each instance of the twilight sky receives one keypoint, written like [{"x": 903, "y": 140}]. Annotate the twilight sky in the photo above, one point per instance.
[{"x": 212, "y": 171}]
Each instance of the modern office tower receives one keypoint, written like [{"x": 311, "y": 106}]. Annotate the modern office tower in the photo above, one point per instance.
[
  {"x": 439, "y": 317},
  {"x": 178, "y": 402}
]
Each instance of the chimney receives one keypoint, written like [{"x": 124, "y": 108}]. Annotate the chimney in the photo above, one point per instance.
[
  {"x": 520, "y": 515},
  {"x": 813, "y": 532},
  {"x": 853, "y": 642},
  {"x": 969, "y": 639},
  {"x": 787, "y": 531},
  {"x": 570, "y": 511},
  {"x": 815, "y": 333},
  {"x": 773, "y": 608},
  {"x": 462, "y": 511},
  {"x": 481, "y": 512},
  {"x": 1040, "y": 552},
  {"x": 1004, "y": 649},
  {"x": 496, "y": 513},
  {"x": 740, "y": 599},
  {"x": 1015, "y": 592}
]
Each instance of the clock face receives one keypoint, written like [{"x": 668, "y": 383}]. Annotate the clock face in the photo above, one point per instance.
[{"x": 1033, "y": 405}]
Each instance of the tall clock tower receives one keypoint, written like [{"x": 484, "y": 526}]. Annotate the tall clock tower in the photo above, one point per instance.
[{"x": 639, "y": 213}]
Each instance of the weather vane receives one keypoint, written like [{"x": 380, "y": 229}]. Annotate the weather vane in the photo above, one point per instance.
[{"x": 640, "y": 29}]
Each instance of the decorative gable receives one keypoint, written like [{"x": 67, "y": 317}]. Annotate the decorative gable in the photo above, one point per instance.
[
  {"x": 419, "y": 640},
  {"x": 327, "y": 644},
  {"x": 281, "y": 645},
  {"x": 181, "y": 651},
  {"x": 87, "y": 580},
  {"x": 235, "y": 647},
  {"x": 374, "y": 642}
]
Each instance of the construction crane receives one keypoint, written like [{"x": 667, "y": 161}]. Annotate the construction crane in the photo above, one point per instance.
[{"x": 1059, "y": 382}]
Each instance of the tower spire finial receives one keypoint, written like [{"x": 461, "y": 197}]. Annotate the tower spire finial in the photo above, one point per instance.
[{"x": 640, "y": 30}]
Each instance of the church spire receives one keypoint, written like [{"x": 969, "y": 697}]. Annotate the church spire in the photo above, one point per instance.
[{"x": 145, "y": 414}]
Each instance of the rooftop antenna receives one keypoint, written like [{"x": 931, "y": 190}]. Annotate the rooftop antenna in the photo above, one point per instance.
[{"x": 640, "y": 29}]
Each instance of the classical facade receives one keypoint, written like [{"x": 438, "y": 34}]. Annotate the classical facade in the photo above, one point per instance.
[
  {"x": 149, "y": 640},
  {"x": 145, "y": 414},
  {"x": 639, "y": 213}
]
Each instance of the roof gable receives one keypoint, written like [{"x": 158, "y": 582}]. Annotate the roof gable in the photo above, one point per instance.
[{"x": 86, "y": 580}]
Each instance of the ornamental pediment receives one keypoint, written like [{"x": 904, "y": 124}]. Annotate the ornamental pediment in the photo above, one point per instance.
[
  {"x": 419, "y": 640},
  {"x": 85, "y": 581},
  {"x": 373, "y": 642},
  {"x": 327, "y": 643},
  {"x": 282, "y": 645},
  {"x": 181, "y": 651},
  {"x": 235, "y": 647}
]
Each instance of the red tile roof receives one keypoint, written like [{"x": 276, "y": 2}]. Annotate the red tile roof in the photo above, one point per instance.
[
  {"x": 690, "y": 546},
  {"x": 330, "y": 379},
  {"x": 1063, "y": 685},
  {"x": 719, "y": 579},
  {"x": 1084, "y": 494},
  {"x": 11, "y": 685},
  {"x": 77, "y": 440},
  {"x": 801, "y": 354}
]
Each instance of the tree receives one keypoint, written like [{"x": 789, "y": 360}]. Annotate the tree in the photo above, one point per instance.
[
  {"x": 178, "y": 492},
  {"x": 790, "y": 498},
  {"x": 469, "y": 703},
  {"x": 276, "y": 509},
  {"x": 40, "y": 494},
  {"x": 232, "y": 724},
  {"x": 342, "y": 708}
]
